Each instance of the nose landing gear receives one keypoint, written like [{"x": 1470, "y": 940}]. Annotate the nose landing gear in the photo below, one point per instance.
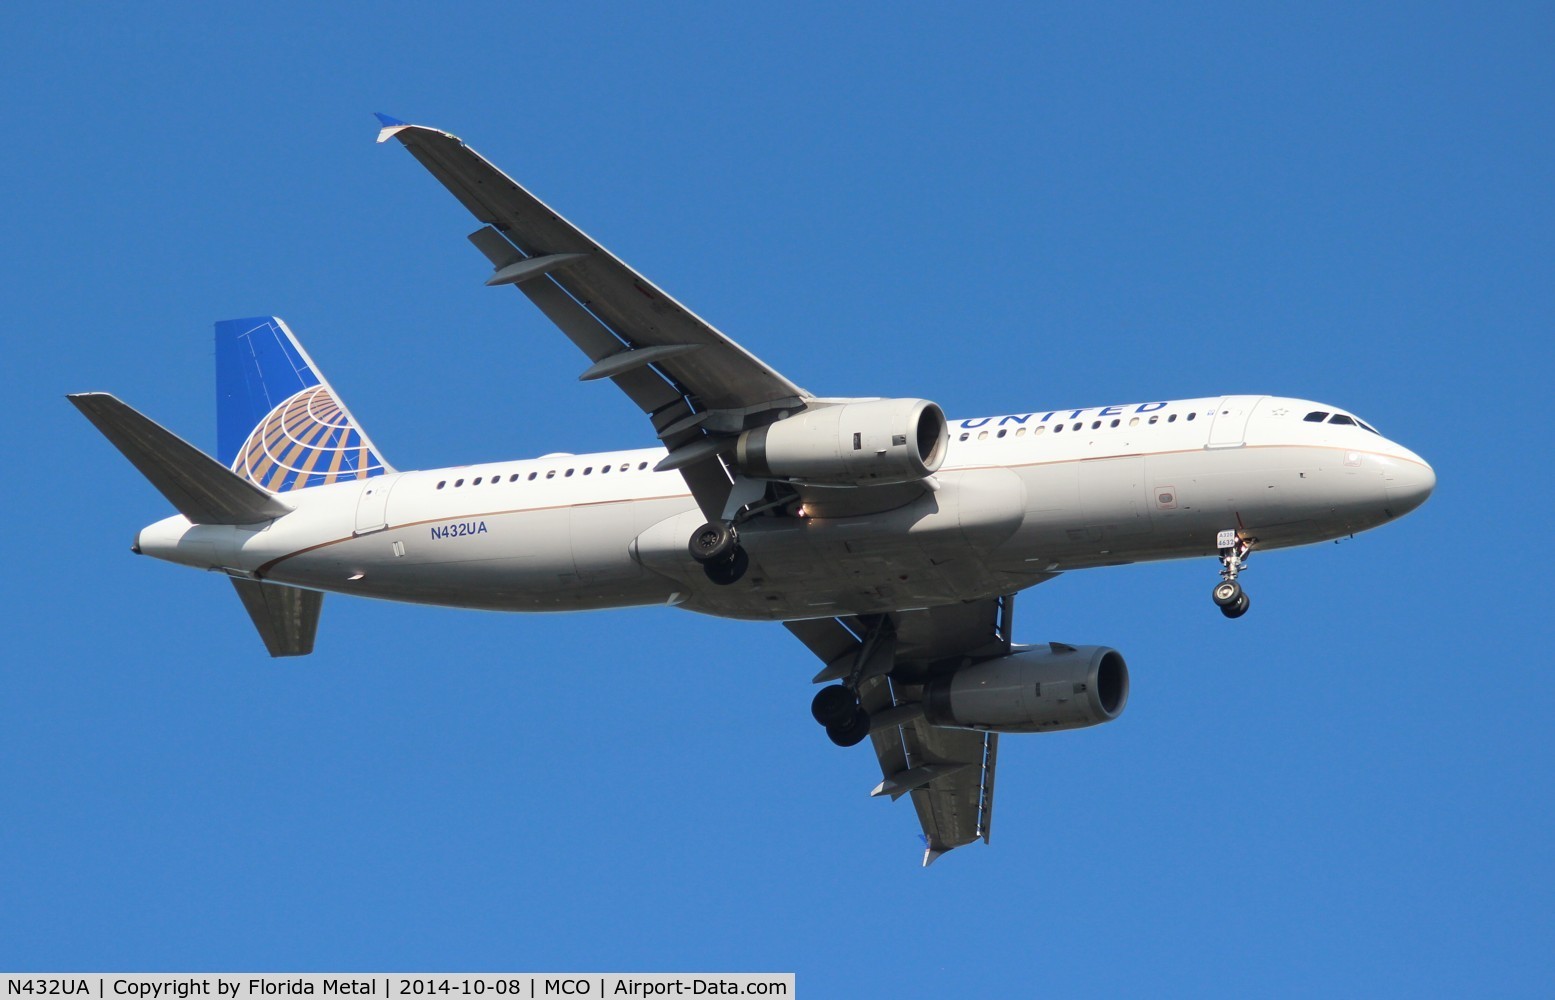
[{"x": 1228, "y": 594}]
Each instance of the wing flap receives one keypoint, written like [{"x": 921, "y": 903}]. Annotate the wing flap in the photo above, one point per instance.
[{"x": 948, "y": 772}]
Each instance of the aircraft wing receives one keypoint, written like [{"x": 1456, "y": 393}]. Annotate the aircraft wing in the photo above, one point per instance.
[
  {"x": 697, "y": 385},
  {"x": 949, "y": 773}
]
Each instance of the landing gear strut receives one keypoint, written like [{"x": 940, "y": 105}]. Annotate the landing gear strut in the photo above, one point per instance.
[
  {"x": 1228, "y": 594},
  {"x": 716, "y": 546},
  {"x": 838, "y": 707}
]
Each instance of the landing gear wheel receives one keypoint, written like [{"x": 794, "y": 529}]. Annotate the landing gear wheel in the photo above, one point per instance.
[
  {"x": 714, "y": 542},
  {"x": 1233, "y": 546},
  {"x": 851, "y": 732},
  {"x": 729, "y": 570},
  {"x": 834, "y": 706},
  {"x": 1227, "y": 594}
]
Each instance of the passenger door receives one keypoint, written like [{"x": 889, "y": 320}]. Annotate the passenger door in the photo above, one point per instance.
[
  {"x": 373, "y": 506},
  {"x": 1229, "y": 427}
]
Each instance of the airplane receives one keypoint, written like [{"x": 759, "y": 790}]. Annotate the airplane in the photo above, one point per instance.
[{"x": 887, "y": 538}]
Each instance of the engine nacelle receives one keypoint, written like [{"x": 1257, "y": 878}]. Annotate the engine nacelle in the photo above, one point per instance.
[
  {"x": 849, "y": 444},
  {"x": 1034, "y": 689}
]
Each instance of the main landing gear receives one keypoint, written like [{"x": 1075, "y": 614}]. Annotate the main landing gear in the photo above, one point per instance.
[
  {"x": 716, "y": 546},
  {"x": 838, "y": 709},
  {"x": 1228, "y": 594}
]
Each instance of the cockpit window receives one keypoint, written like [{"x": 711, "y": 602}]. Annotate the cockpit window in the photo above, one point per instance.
[
  {"x": 1316, "y": 416},
  {"x": 1340, "y": 418},
  {"x": 1368, "y": 426}
]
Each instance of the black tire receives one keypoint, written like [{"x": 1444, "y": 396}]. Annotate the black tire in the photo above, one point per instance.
[
  {"x": 834, "y": 706},
  {"x": 730, "y": 570},
  {"x": 713, "y": 542},
  {"x": 1227, "y": 594},
  {"x": 1238, "y": 609},
  {"x": 851, "y": 733}
]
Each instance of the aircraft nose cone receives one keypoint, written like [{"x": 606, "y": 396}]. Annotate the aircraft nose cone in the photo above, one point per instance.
[{"x": 1410, "y": 485}]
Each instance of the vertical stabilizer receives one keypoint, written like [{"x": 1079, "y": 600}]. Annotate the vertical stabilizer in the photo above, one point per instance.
[{"x": 279, "y": 424}]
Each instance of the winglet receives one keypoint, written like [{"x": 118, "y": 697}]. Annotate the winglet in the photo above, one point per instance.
[{"x": 390, "y": 126}]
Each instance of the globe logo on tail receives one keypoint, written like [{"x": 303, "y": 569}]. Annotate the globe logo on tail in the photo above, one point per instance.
[{"x": 308, "y": 440}]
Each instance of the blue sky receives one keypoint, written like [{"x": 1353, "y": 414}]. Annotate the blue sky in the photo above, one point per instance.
[{"x": 1347, "y": 791}]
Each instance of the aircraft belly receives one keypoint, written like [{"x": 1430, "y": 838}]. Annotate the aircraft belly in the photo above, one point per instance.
[
  {"x": 934, "y": 550},
  {"x": 514, "y": 560},
  {"x": 602, "y": 535},
  {"x": 1113, "y": 499}
]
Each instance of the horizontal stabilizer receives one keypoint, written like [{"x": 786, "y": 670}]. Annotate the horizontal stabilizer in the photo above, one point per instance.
[
  {"x": 203, "y": 490},
  {"x": 287, "y": 617}
]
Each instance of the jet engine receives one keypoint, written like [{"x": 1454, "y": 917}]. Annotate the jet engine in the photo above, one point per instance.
[
  {"x": 851, "y": 443},
  {"x": 1033, "y": 689}
]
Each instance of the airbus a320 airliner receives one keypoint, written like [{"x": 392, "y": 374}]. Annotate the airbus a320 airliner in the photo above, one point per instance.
[{"x": 890, "y": 540}]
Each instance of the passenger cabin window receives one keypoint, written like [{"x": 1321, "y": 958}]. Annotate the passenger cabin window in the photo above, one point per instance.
[
  {"x": 476, "y": 481},
  {"x": 1154, "y": 418},
  {"x": 1116, "y": 422},
  {"x": 550, "y": 473},
  {"x": 532, "y": 476},
  {"x": 1192, "y": 415},
  {"x": 1020, "y": 432},
  {"x": 1095, "y": 424},
  {"x": 442, "y": 484},
  {"x": 513, "y": 478},
  {"x": 1002, "y": 432},
  {"x": 966, "y": 435},
  {"x": 1172, "y": 419},
  {"x": 641, "y": 466},
  {"x": 458, "y": 482},
  {"x": 1316, "y": 416}
]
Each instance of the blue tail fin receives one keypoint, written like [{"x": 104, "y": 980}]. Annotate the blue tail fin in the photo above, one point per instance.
[{"x": 278, "y": 423}]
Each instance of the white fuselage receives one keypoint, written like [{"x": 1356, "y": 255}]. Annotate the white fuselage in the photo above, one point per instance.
[{"x": 1018, "y": 499}]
